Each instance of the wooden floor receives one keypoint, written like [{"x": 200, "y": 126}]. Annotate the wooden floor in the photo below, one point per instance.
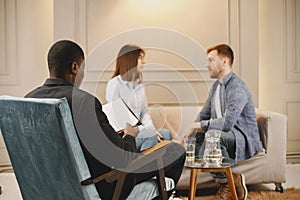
[{"x": 11, "y": 191}]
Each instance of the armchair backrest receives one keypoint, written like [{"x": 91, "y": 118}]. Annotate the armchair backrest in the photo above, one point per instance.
[{"x": 44, "y": 149}]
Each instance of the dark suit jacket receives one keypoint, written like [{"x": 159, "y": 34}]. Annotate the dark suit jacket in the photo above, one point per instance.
[{"x": 95, "y": 133}]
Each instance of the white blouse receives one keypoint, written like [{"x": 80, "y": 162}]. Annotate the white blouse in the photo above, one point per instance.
[{"x": 135, "y": 97}]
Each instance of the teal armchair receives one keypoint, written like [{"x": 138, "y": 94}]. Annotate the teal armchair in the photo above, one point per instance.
[{"x": 47, "y": 158}]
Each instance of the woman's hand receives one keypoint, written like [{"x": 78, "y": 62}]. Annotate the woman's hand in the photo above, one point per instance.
[{"x": 159, "y": 136}]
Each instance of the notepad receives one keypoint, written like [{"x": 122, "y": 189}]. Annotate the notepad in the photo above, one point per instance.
[{"x": 118, "y": 114}]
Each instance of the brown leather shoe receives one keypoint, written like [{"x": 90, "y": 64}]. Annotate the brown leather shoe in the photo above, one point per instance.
[
  {"x": 240, "y": 186},
  {"x": 224, "y": 192}
]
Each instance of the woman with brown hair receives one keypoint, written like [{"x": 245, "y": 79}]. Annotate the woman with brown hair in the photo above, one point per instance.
[{"x": 126, "y": 83}]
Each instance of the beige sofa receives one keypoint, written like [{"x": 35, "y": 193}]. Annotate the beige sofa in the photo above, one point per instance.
[{"x": 264, "y": 167}]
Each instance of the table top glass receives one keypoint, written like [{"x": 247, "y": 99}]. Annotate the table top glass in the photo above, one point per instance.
[{"x": 200, "y": 163}]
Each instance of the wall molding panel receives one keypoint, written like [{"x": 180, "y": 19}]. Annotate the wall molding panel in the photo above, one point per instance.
[
  {"x": 292, "y": 111},
  {"x": 291, "y": 16},
  {"x": 293, "y": 138},
  {"x": 234, "y": 31},
  {"x": 8, "y": 46},
  {"x": 292, "y": 23},
  {"x": 80, "y": 26}
]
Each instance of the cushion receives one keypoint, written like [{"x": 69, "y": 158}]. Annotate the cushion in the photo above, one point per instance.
[{"x": 262, "y": 122}]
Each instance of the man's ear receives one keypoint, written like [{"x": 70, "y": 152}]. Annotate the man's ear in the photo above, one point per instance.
[
  {"x": 74, "y": 68},
  {"x": 226, "y": 61}
]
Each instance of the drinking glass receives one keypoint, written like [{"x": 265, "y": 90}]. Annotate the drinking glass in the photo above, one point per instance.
[{"x": 189, "y": 145}]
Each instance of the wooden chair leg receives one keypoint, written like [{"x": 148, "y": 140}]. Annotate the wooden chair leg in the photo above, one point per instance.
[
  {"x": 161, "y": 180},
  {"x": 119, "y": 187}
]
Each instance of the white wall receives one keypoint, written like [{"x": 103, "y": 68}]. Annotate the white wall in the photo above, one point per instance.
[
  {"x": 32, "y": 36},
  {"x": 27, "y": 31},
  {"x": 260, "y": 33},
  {"x": 206, "y": 22},
  {"x": 279, "y": 66}
]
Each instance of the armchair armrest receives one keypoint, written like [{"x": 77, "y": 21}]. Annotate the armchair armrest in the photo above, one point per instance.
[
  {"x": 152, "y": 154},
  {"x": 156, "y": 147}
]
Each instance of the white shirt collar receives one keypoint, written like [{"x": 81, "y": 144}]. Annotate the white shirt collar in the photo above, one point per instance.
[{"x": 128, "y": 83}]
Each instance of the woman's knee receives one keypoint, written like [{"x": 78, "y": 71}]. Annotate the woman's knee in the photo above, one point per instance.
[
  {"x": 165, "y": 133},
  {"x": 148, "y": 142}
]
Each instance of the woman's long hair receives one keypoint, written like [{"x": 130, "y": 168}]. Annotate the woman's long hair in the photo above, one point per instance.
[{"x": 127, "y": 61}]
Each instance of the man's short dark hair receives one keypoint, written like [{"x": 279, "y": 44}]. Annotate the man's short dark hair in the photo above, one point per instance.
[
  {"x": 61, "y": 56},
  {"x": 224, "y": 50}
]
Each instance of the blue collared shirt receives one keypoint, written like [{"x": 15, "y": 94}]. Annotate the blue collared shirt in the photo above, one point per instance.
[{"x": 238, "y": 113}]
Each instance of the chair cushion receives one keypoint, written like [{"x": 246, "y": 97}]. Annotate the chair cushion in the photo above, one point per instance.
[{"x": 262, "y": 123}]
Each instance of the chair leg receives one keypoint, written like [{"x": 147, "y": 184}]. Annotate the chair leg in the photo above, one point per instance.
[
  {"x": 161, "y": 180},
  {"x": 119, "y": 186},
  {"x": 278, "y": 187},
  {"x": 0, "y": 189}
]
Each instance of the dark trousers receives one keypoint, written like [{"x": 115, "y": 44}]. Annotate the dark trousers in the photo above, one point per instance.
[
  {"x": 173, "y": 163},
  {"x": 173, "y": 159}
]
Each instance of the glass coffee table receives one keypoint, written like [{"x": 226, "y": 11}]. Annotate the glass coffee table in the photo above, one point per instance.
[{"x": 200, "y": 165}]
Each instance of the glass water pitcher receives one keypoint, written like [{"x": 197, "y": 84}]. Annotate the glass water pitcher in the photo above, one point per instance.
[{"x": 212, "y": 152}]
